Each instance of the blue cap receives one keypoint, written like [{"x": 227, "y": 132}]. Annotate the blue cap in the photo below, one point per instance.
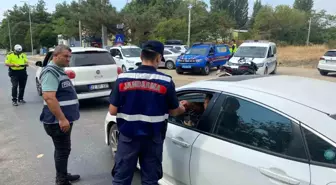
[{"x": 154, "y": 46}]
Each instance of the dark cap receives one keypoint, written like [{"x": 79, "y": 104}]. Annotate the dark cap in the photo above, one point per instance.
[{"x": 154, "y": 46}]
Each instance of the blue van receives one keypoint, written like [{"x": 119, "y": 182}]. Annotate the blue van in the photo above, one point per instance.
[{"x": 201, "y": 57}]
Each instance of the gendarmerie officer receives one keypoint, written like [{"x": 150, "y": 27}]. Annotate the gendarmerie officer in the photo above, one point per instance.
[{"x": 142, "y": 100}]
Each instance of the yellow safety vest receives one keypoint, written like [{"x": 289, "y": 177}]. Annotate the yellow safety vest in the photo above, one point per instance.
[
  {"x": 20, "y": 59},
  {"x": 235, "y": 49}
]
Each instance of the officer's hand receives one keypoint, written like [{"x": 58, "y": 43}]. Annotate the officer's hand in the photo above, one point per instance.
[
  {"x": 16, "y": 65},
  {"x": 64, "y": 125}
]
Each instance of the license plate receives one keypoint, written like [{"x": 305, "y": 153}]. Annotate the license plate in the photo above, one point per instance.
[
  {"x": 98, "y": 86},
  {"x": 186, "y": 67}
]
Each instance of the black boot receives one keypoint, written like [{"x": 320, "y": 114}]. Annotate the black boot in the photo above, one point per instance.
[
  {"x": 15, "y": 103},
  {"x": 73, "y": 178},
  {"x": 62, "y": 181}
]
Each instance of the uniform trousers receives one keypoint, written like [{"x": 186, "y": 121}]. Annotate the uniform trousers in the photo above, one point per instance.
[{"x": 149, "y": 152}]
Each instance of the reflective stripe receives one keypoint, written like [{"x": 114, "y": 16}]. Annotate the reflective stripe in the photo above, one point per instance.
[
  {"x": 144, "y": 118},
  {"x": 65, "y": 103},
  {"x": 146, "y": 76}
]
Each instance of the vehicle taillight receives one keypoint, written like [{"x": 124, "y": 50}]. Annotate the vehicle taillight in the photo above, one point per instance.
[
  {"x": 322, "y": 58},
  {"x": 119, "y": 70},
  {"x": 71, "y": 74}
]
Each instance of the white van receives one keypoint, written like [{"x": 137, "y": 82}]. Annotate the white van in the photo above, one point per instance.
[
  {"x": 263, "y": 53},
  {"x": 126, "y": 57}
]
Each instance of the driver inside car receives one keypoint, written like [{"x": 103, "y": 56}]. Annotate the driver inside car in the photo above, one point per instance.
[{"x": 194, "y": 110}]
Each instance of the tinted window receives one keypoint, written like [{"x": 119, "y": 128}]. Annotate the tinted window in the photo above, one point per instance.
[
  {"x": 330, "y": 54},
  {"x": 251, "y": 51},
  {"x": 165, "y": 52},
  {"x": 319, "y": 149},
  {"x": 249, "y": 123},
  {"x": 91, "y": 58}
]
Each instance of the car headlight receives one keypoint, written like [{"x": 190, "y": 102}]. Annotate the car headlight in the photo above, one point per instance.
[
  {"x": 129, "y": 62},
  {"x": 260, "y": 65}
]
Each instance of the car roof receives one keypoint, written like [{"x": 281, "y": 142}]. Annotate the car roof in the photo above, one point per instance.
[
  {"x": 130, "y": 46},
  {"x": 261, "y": 44},
  {"x": 83, "y": 49},
  {"x": 316, "y": 94}
]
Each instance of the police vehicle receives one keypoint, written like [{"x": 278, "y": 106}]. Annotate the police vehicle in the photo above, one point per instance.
[
  {"x": 201, "y": 57},
  {"x": 255, "y": 126},
  {"x": 127, "y": 57},
  {"x": 92, "y": 71},
  {"x": 262, "y": 53}
]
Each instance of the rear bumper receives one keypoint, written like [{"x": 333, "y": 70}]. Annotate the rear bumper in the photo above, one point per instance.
[{"x": 326, "y": 67}]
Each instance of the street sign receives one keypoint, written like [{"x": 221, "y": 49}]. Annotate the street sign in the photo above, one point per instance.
[{"x": 119, "y": 39}]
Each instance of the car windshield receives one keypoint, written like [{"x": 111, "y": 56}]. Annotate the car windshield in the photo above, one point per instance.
[
  {"x": 330, "y": 54},
  {"x": 198, "y": 51},
  {"x": 131, "y": 52},
  {"x": 174, "y": 50},
  {"x": 91, "y": 58},
  {"x": 251, "y": 52}
]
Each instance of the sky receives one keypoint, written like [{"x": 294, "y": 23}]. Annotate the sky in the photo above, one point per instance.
[{"x": 119, "y": 4}]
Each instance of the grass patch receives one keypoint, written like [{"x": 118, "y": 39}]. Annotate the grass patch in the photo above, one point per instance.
[{"x": 301, "y": 56}]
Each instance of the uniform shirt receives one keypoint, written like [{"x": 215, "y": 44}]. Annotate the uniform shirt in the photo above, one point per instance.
[
  {"x": 20, "y": 59},
  {"x": 143, "y": 98},
  {"x": 49, "y": 81}
]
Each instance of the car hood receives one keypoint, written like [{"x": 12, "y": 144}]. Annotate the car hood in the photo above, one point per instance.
[
  {"x": 255, "y": 60},
  {"x": 133, "y": 59}
]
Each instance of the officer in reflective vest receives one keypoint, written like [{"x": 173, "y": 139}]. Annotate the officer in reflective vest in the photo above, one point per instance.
[
  {"x": 60, "y": 110},
  {"x": 17, "y": 63},
  {"x": 233, "y": 47},
  {"x": 142, "y": 100}
]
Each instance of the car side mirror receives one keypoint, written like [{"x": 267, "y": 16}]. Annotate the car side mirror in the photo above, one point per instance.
[
  {"x": 38, "y": 63},
  {"x": 271, "y": 55}
]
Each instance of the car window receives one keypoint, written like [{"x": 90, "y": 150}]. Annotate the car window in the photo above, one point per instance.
[
  {"x": 198, "y": 51},
  {"x": 113, "y": 52},
  {"x": 91, "y": 58},
  {"x": 251, "y": 52},
  {"x": 274, "y": 50},
  {"x": 269, "y": 51},
  {"x": 174, "y": 50},
  {"x": 222, "y": 49},
  {"x": 258, "y": 127},
  {"x": 197, "y": 105},
  {"x": 330, "y": 54},
  {"x": 169, "y": 47},
  {"x": 166, "y": 52},
  {"x": 131, "y": 52},
  {"x": 320, "y": 150},
  {"x": 178, "y": 48}
]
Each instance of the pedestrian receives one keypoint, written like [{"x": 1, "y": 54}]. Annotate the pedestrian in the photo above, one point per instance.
[
  {"x": 17, "y": 63},
  {"x": 142, "y": 100},
  {"x": 60, "y": 110}
]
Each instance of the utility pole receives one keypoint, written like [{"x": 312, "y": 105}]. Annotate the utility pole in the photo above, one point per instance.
[
  {"x": 103, "y": 30},
  {"x": 189, "y": 24},
  {"x": 30, "y": 25},
  {"x": 9, "y": 35},
  {"x": 310, "y": 20},
  {"x": 80, "y": 27}
]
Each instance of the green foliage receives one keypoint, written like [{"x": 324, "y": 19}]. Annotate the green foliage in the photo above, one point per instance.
[{"x": 304, "y": 5}]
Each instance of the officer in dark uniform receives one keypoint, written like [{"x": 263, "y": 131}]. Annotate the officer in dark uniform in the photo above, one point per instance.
[{"x": 142, "y": 100}]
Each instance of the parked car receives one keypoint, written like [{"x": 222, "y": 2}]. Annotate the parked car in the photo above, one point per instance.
[
  {"x": 263, "y": 53},
  {"x": 127, "y": 57},
  {"x": 181, "y": 48},
  {"x": 201, "y": 57},
  {"x": 92, "y": 71},
  {"x": 327, "y": 62},
  {"x": 255, "y": 126},
  {"x": 170, "y": 56}
]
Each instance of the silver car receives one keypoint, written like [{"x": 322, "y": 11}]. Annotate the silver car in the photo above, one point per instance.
[{"x": 170, "y": 55}]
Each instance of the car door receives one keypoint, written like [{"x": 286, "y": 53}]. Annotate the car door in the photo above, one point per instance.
[
  {"x": 117, "y": 57},
  {"x": 222, "y": 54},
  {"x": 270, "y": 60},
  {"x": 167, "y": 54},
  {"x": 322, "y": 152},
  {"x": 179, "y": 140},
  {"x": 249, "y": 144}
]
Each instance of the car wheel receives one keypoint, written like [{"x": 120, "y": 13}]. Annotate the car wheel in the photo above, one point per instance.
[
  {"x": 275, "y": 69},
  {"x": 123, "y": 68},
  {"x": 170, "y": 65},
  {"x": 266, "y": 71},
  {"x": 38, "y": 88},
  {"x": 179, "y": 71},
  {"x": 113, "y": 139},
  {"x": 206, "y": 70},
  {"x": 323, "y": 73}
]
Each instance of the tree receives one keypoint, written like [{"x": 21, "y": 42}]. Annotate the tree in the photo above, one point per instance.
[
  {"x": 220, "y": 5},
  {"x": 304, "y": 5},
  {"x": 256, "y": 7},
  {"x": 239, "y": 10}
]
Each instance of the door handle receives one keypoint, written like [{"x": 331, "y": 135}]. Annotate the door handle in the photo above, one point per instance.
[
  {"x": 179, "y": 142},
  {"x": 280, "y": 177}
]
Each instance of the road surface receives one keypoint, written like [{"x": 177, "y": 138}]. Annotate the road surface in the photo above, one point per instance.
[{"x": 23, "y": 140}]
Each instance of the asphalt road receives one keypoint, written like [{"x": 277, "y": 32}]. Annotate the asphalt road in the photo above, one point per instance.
[{"x": 23, "y": 140}]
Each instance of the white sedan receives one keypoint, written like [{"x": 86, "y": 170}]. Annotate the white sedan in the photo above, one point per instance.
[{"x": 256, "y": 130}]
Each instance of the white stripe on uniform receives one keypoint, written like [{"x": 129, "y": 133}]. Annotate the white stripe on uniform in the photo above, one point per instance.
[
  {"x": 145, "y": 76},
  {"x": 144, "y": 118},
  {"x": 65, "y": 103}
]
